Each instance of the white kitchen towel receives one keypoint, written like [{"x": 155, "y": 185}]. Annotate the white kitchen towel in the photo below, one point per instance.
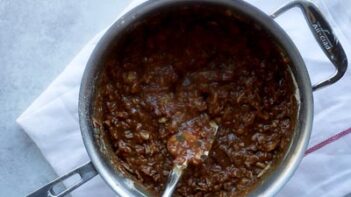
[{"x": 52, "y": 119}]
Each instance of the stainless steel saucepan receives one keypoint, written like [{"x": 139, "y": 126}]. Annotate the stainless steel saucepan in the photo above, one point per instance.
[{"x": 101, "y": 162}]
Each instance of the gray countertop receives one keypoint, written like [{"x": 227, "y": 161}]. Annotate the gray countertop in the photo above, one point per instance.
[{"x": 37, "y": 40}]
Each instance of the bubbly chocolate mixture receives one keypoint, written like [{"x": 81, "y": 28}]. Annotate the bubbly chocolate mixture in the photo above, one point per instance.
[{"x": 189, "y": 65}]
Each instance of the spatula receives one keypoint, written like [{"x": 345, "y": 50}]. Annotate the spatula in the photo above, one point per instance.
[{"x": 191, "y": 144}]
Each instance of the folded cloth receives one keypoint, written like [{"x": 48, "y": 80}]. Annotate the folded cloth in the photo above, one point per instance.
[{"x": 52, "y": 119}]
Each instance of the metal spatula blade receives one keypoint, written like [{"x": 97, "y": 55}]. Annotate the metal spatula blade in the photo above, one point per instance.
[{"x": 178, "y": 169}]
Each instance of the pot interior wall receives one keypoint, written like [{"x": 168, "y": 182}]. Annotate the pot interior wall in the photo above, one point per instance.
[{"x": 112, "y": 43}]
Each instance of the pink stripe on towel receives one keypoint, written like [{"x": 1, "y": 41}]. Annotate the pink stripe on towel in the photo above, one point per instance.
[{"x": 328, "y": 141}]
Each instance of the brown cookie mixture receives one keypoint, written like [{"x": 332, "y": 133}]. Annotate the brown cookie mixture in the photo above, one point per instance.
[{"x": 213, "y": 68}]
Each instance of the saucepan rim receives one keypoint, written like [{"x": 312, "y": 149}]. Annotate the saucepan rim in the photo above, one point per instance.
[{"x": 289, "y": 163}]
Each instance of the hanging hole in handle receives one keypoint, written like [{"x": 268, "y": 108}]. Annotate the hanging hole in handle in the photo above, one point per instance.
[
  {"x": 59, "y": 187},
  {"x": 80, "y": 176}
]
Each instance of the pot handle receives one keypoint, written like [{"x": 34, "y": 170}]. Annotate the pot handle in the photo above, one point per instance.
[
  {"x": 324, "y": 36},
  {"x": 85, "y": 172}
]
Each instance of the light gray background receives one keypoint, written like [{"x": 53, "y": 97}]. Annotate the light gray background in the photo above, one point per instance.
[{"x": 38, "y": 38}]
